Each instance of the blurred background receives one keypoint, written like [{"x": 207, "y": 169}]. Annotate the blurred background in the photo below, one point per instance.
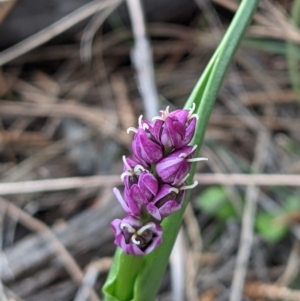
[{"x": 69, "y": 90}]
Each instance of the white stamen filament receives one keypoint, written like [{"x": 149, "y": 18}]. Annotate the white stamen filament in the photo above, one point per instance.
[
  {"x": 144, "y": 228},
  {"x": 183, "y": 180},
  {"x": 193, "y": 116},
  {"x": 196, "y": 159},
  {"x": 125, "y": 174},
  {"x": 173, "y": 189},
  {"x": 145, "y": 126},
  {"x": 126, "y": 164},
  {"x": 131, "y": 129},
  {"x": 157, "y": 118},
  {"x": 140, "y": 121},
  {"x": 130, "y": 229},
  {"x": 191, "y": 111},
  {"x": 194, "y": 147},
  {"x": 189, "y": 186},
  {"x": 164, "y": 114},
  {"x": 133, "y": 239},
  {"x": 138, "y": 169},
  {"x": 183, "y": 155}
]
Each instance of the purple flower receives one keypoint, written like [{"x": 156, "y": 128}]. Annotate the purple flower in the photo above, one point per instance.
[
  {"x": 140, "y": 186},
  {"x": 173, "y": 168},
  {"x": 169, "y": 199},
  {"x": 145, "y": 148},
  {"x": 176, "y": 129},
  {"x": 135, "y": 238},
  {"x": 131, "y": 172},
  {"x": 142, "y": 192},
  {"x": 138, "y": 195}
]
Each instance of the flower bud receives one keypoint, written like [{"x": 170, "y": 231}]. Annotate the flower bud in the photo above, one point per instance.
[
  {"x": 135, "y": 238},
  {"x": 173, "y": 168},
  {"x": 167, "y": 201},
  {"x": 177, "y": 128},
  {"x": 145, "y": 148}
]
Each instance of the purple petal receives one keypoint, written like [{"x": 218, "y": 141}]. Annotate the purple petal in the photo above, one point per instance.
[
  {"x": 137, "y": 196},
  {"x": 144, "y": 149},
  {"x": 155, "y": 129},
  {"x": 133, "y": 221},
  {"x": 181, "y": 115},
  {"x": 172, "y": 133},
  {"x": 115, "y": 224},
  {"x": 172, "y": 170},
  {"x": 168, "y": 208},
  {"x": 135, "y": 208},
  {"x": 121, "y": 200},
  {"x": 189, "y": 132},
  {"x": 163, "y": 191},
  {"x": 181, "y": 173},
  {"x": 154, "y": 211},
  {"x": 157, "y": 239},
  {"x": 148, "y": 184}
]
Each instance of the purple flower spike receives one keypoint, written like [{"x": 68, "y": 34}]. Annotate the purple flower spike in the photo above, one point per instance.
[
  {"x": 155, "y": 179},
  {"x": 144, "y": 146},
  {"x": 173, "y": 168},
  {"x": 135, "y": 238}
]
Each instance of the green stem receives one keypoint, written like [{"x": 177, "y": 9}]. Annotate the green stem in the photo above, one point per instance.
[{"x": 127, "y": 268}]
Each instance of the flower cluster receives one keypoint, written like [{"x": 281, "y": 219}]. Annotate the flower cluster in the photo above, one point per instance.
[{"x": 154, "y": 179}]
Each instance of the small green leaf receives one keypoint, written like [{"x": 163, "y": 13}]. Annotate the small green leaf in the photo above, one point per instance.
[
  {"x": 268, "y": 228},
  {"x": 227, "y": 211},
  {"x": 214, "y": 201},
  {"x": 211, "y": 199}
]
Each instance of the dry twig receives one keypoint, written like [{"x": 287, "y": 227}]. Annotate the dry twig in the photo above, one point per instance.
[
  {"x": 246, "y": 239},
  {"x": 100, "y": 181},
  {"x": 257, "y": 291},
  {"x": 53, "y": 30},
  {"x": 142, "y": 59},
  {"x": 35, "y": 225}
]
